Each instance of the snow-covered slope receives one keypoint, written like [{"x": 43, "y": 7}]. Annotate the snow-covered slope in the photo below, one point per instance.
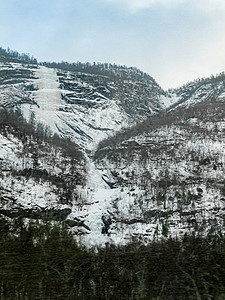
[
  {"x": 83, "y": 107},
  {"x": 39, "y": 176},
  {"x": 197, "y": 91},
  {"x": 168, "y": 179},
  {"x": 144, "y": 173}
]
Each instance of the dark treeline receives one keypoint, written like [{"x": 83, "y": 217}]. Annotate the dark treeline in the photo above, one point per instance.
[
  {"x": 195, "y": 84},
  {"x": 14, "y": 56},
  {"x": 44, "y": 262},
  {"x": 115, "y": 72}
]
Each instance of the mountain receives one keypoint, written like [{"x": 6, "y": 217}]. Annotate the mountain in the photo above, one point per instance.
[
  {"x": 200, "y": 90},
  {"x": 103, "y": 149},
  {"x": 83, "y": 106},
  {"x": 168, "y": 174}
]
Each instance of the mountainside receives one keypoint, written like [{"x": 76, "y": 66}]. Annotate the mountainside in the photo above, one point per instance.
[
  {"x": 39, "y": 175},
  {"x": 168, "y": 176},
  {"x": 199, "y": 91},
  {"x": 103, "y": 149},
  {"x": 84, "y": 107}
]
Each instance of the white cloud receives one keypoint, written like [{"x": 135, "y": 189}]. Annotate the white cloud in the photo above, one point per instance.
[
  {"x": 211, "y": 5},
  {"x": 136, "y": 5}
]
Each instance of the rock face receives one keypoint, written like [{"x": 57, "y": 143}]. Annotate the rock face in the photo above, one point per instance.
[
  {"x": 83, "y": 107},
  {"x": 107, "y": 221},
  {"x": 146, "y": 163}
]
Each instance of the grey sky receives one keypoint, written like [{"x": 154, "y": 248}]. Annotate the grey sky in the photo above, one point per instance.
[{"x": 175, "y": 41}]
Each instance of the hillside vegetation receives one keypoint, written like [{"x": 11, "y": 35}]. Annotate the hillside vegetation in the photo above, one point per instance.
[{"x": 44, "y": 262}]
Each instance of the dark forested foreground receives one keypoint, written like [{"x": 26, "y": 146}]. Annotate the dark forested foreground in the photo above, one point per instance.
[{"x": 43, "y": 262}]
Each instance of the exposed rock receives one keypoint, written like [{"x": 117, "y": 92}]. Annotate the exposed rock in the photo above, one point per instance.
[{"x": 107, "y": 220}]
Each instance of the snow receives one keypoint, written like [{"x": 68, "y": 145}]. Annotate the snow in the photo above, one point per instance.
[
  {"x": 47, "y": 99},
  {"x": 134, "y": 206},
  {"x": 99, "y": 197},
  {"x": 133, "y": 202},
  {"x": 23, "y": 192},
  {"x": 169, "y": 99},
  {"x": 86, "y": 126}
]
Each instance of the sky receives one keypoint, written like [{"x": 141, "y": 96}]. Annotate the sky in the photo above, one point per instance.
[{"x": 174, "y": 41}]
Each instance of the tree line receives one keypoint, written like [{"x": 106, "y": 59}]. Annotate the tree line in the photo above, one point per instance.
[
  {"x": 114, "y": 71},
  {"x": 41, "y": 261},
  {"x": 15, "y": 56}
]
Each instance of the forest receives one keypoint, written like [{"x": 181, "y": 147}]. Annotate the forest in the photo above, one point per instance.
[{"x": 41, "y": 261}]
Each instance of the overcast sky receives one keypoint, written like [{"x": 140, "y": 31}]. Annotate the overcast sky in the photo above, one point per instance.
[{"x": 175, "y": 41}]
